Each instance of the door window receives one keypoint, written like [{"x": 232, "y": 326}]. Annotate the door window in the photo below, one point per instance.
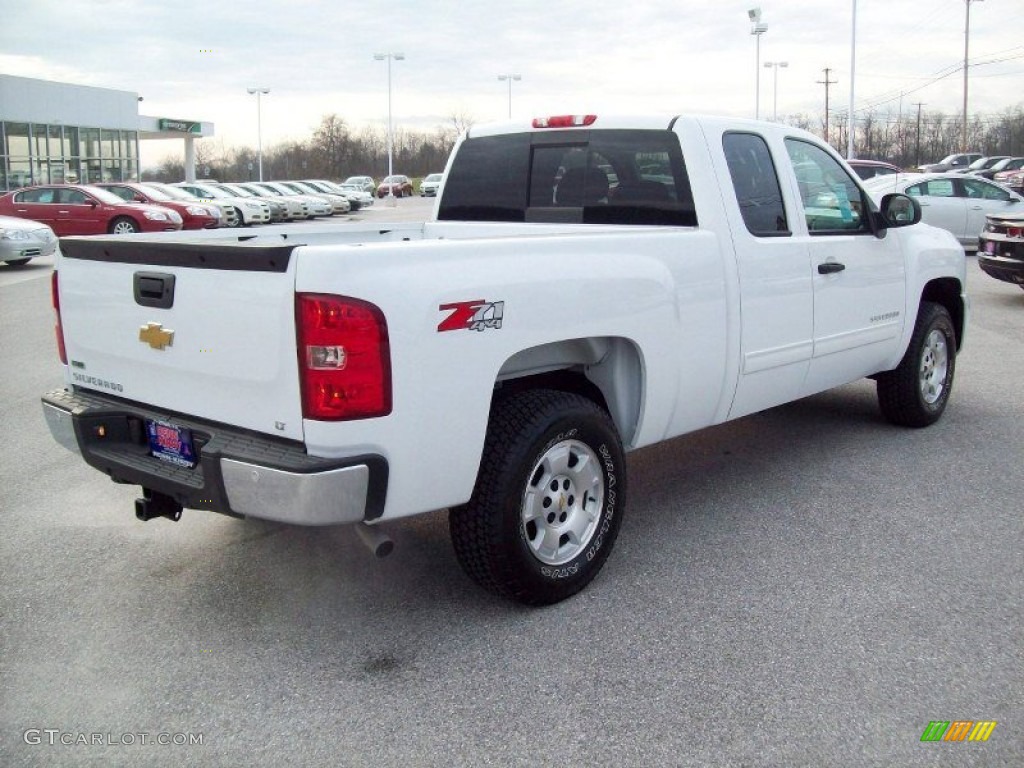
[{"x": 832, "y": 201}]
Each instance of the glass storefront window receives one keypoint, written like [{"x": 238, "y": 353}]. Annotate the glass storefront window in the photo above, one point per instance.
[
  {"x": 90, "y": 142},
  {"x": 70, "y": 141},
  {"x": 53, "y": 133},
  {"x": 110, "y": 144},
  {"x": 17, "y": 139},
  {"x": 20, "y": 172}
]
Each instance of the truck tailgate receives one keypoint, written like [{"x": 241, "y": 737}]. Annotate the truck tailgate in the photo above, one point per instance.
[{"x": 201, "y": 329}]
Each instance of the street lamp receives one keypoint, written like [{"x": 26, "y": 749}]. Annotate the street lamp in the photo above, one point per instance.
[
  {"x": 259, "y": 125},
  {"x": 853, "y": 80},
  {"x": 775, "y": 97},
  {"x": 510, "y": 78},
  {"x": 389, "y": 57},
  {"x": 757, "y": 29}
]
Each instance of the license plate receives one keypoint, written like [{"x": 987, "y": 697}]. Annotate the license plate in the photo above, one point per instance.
[
  {"x": 170, "y": 443},
  {"x": 990, "y": 247}
]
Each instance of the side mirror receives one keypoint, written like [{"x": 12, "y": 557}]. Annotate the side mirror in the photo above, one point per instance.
[
  {"x": 138, "y": 198},
  {"x": 899, "y": 210}
]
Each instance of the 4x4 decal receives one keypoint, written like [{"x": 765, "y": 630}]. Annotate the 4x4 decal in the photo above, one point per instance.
[{"x": 475, "y": 315}]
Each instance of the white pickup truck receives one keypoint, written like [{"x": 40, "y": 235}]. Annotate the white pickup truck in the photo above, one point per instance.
[{"x": 587, "y": 285}]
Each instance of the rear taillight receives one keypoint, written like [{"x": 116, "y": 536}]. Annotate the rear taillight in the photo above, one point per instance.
[
  {"x": 344, "y": 358},
  {"x": 564, "y": 121},
  {"x": 58, "y": 327}
]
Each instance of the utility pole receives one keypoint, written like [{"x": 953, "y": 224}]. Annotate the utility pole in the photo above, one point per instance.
[
  {"x": 967, "y": 40},
  {"x": 917, "y": 150},
  {"x": 826, "y": 82}
]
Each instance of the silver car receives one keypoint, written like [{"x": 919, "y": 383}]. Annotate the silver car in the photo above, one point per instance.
[{"x": 22, "y": 240}]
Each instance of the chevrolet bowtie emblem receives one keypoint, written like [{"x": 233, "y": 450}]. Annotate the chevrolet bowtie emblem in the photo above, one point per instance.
[{"x": 156, "y": 335}]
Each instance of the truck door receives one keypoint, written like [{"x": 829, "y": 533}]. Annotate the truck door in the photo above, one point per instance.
[
  {"x": 859, "y": 279},
  {"x": 776, "y": 295}
]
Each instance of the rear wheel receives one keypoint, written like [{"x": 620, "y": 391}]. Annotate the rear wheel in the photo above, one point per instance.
[
  {"x": 548, "y": 501},
  {"x": 915, "y": 393},
  {"x": 123, "y": 226}
]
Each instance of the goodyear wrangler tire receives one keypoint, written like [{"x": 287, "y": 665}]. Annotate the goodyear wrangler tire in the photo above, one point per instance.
[
  {"x": 915, "y": 393},
  {"x": 548, "y": 501}
]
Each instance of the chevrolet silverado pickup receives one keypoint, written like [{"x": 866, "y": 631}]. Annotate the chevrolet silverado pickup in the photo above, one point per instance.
[{"x": 586, "y": 285}]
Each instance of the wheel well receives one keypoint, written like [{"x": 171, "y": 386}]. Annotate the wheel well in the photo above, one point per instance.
[
  {"x": 122, "y": 217},
  {"x": 946, "y": 291},
  {"x": 606, "y": 370}
]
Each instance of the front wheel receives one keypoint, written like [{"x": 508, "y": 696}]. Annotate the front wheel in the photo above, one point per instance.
[
  {"x": 915, "y": 393},
  {"x": 123, "y": 226},
  {"x": 548, "y": 501}
]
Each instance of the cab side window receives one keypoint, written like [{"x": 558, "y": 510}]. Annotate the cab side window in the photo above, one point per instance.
[
  {"x": 833, "y": 203},
  {"x": 756, "y": 184}
]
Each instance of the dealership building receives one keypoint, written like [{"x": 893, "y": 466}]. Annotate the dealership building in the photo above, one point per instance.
[{"x": 55, "y": 133}]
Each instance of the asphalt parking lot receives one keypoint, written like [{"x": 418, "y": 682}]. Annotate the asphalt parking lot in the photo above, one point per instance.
[{"x": 807, "y": 586}]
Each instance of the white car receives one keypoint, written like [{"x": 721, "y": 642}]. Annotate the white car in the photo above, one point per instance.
[
  {"x": 317, "y": 206},
  {"x": 951, "y": 201},
  {"x": 365, "y": 183},
  {"x": 294, "y": 208},
  {"x": 356, "y": 197},
  {"x": 430, "y": 185},
  {"x": 23, "y": 239},
  {"x": 339, "y": 203},
  {"x": 249, "y": 210},
  {"x": 278, "y": 208}
]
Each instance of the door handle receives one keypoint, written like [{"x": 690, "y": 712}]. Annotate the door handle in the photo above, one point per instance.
[
  {"x": 830, "y": 267},
  {"x": 975, "y": 207}
]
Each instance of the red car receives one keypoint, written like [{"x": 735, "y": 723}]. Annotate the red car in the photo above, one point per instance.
[
  {"x": 397, "y": 185},
  {"x": 193, "y": 215},
  {"x": 82, "y": 209}
]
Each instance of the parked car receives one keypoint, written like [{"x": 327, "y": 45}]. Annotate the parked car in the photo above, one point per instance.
[
  {"x": 356, "y": 198},
  {"x": 339, "y": 203},
  {"x": 365, "y": 183},
  {"x": 22, "y": 240},
  {"x": 365, "y": 199},
  {"x": 430, "y": 185},
  {"x": 950, "y": 163},
  {"x": 194, "y": 215},
  {"x": 396, "y": 185},
  {"x": 278, "y": 209},
  {"x": 951, "y": 201},
  {"x": 983, "y": 163},
  {"x": 250, "y": 210},
  {"x": 86, "y": 210},
  {"x": 1007, "y": 166},
  {"x": 869, "y": 169},
  {"x": 1012, "y": 180},
  {"x": 315, "y": 206},
  {"x": 295, "y": 209},
  {"x": 1001, "y": 248},
  {"x": 228, "y": 214}
]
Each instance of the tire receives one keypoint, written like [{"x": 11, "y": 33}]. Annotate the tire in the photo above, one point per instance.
[
  {"x": 241, "y": 218},
  {"x": 123, "y": 226},
  {"x": 17, "y": 262},
  {"x": 915, "y": 393},
  {"x": 552, "y": 466}
]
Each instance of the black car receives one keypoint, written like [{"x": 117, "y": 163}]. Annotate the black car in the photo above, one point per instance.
[{"x": 1001, "y": 248}]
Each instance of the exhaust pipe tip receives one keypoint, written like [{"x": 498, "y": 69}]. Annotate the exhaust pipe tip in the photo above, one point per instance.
[{"x": 375, "y": 539}]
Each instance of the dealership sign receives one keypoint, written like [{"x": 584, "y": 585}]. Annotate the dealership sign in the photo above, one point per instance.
[{"x": 185, "y": 126}]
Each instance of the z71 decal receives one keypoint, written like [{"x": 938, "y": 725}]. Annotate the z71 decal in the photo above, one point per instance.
[{"x": 476, "y": 315}]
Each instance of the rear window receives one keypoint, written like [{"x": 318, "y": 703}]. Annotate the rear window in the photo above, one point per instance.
[{"x": 588, "y": 177}]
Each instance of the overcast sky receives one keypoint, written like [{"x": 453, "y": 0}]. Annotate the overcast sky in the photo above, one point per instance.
[{"x": 194, "y": 60}]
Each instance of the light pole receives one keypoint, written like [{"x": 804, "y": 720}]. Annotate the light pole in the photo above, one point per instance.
[
  {"x": 389, "y": 57},
  {"x": 967, "y": 40},
  {"x": 853, "y": 70},
  {"x": 757, "y": 29},
  {"x": 775, "y": 91},
  {"x": 510, "y": 78},
  {"x": 259, "y": 125}
]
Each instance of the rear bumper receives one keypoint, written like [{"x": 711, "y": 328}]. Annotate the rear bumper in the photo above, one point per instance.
[{"x": 238, "y": 473}]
